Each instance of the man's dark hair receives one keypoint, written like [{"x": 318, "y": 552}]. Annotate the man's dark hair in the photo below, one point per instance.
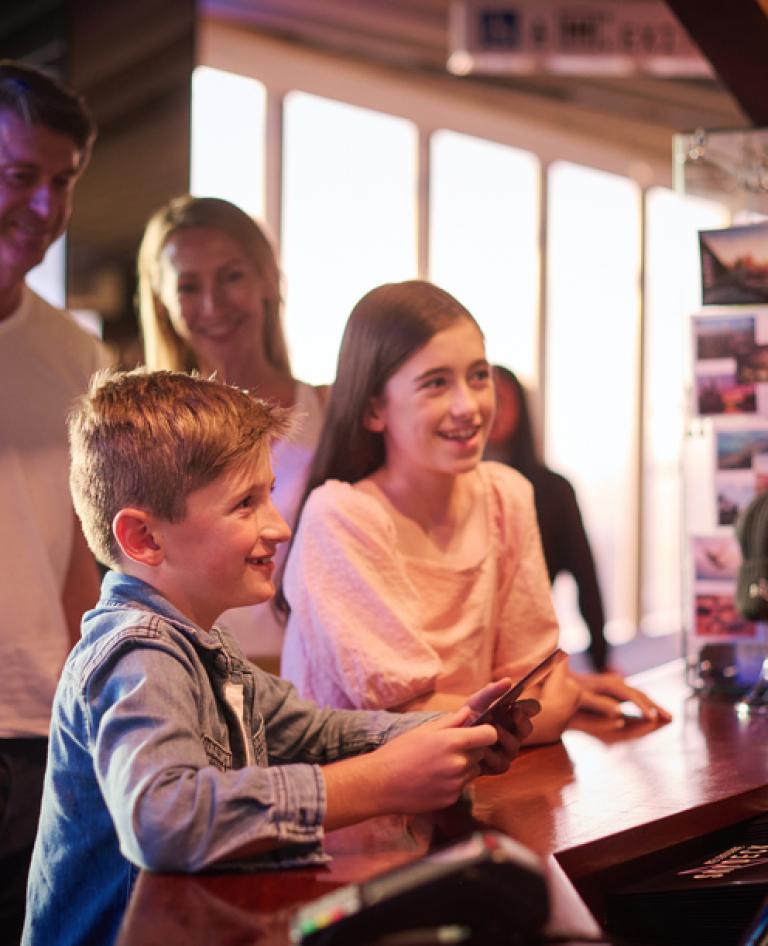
[{"x": 38, "y": 99}]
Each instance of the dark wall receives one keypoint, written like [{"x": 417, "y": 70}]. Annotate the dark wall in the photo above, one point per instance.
[{"x": 132, "y": 60}]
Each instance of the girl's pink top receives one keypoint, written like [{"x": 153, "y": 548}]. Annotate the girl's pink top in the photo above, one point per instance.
[{"x": 372, "y": 628}]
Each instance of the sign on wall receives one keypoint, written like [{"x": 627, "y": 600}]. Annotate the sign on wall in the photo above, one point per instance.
[{"x": 597, "y": 37}]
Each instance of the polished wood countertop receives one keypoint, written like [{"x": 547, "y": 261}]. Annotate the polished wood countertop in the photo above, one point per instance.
[
  {"x": 604, "y": 792},
  {"x": 591, "y": 806}
]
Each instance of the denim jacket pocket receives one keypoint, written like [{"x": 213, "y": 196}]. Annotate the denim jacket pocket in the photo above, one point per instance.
[
  {"x": 218, "y": 756},
  {"x": 259, "y": 741}
]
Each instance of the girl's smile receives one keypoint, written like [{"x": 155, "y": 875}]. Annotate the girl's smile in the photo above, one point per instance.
[{"x": 436, "y": 410}]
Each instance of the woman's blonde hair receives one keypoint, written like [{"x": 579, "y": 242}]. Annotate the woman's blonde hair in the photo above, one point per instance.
[{"x": 163, "y": 347}]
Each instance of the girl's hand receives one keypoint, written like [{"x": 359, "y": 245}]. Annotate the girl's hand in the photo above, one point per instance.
[
  {"x": 560, "y": 696},
  {"x": 603, "y": 693}
]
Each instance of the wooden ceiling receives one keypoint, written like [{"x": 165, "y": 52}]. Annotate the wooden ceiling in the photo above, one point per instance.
[
  {"x": 735, "y": 41},
  {"x": 414, "y": 35},
  {"x": 132, "y": 60}
]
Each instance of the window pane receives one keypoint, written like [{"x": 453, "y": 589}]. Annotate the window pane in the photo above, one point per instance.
[
  {"x": 592, "y": 370},
  {"x": 483, "y": 240},
  {"x": 228, "y": 130},
  {"x": 349, "y": 219},
  {"x": 672, "y": 293},
  {"x": 48, "y": 279}
]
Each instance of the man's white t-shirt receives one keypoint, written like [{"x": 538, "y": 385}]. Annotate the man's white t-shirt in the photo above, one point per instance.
[{"x": 46, "y": 360}]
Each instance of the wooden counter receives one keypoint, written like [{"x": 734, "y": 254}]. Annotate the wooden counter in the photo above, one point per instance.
[{"x": 599, "y": 807}]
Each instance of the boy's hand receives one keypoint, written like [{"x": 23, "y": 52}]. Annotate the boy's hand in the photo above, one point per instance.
[
  {"x": 421, "y": 770},
  {"x": 427, "y": 767},
  {"x": 480, "y": 700},
  {"x": 513, "y": 726}
]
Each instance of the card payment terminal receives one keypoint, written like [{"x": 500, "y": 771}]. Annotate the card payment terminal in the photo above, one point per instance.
[{"x": 487, "y": 883}]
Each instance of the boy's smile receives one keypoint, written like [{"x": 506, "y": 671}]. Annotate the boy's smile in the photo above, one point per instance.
[{"x": 221, "y": 555}]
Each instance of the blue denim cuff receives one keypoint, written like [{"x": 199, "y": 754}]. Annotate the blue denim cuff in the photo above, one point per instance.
[{"x": 299, "y": 802}]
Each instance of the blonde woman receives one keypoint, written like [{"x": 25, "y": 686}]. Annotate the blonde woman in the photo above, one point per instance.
[{"x": 209, "y": 299}]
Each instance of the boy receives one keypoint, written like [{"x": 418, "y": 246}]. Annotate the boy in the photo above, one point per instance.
[{"x": 168, "y": 751}]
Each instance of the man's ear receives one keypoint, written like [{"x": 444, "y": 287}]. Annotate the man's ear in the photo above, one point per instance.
[
  {"x": 136, "y": 534},
  {"x": 373, "y": 418}
]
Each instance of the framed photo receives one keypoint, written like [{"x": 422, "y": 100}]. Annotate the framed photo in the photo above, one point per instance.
[
  {"x": 730, "y": 362},
  {"x": 752, "y": 367},
  {"x": 734, "y": 265},
  {"x": 733, "y": 493},
  {"x": 715, "y": 558},
  {"x": 715, "y": 616},
  {"x": 737, "y": 447},
  {"x": 723, "y": 336},
  {"x": 719, "y": 391}
]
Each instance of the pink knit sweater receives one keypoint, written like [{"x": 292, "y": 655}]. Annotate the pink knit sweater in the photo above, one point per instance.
[{"x": 372, "y": 628}]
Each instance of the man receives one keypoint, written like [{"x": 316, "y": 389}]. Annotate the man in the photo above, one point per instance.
[{"x": 48, "y": 575}]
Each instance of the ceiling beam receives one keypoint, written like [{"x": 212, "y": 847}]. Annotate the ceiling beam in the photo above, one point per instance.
[{"x": 734, "y": 38}]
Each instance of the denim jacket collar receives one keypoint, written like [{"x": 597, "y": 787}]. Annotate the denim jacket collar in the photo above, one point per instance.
[{"x": 121, "y": 590}]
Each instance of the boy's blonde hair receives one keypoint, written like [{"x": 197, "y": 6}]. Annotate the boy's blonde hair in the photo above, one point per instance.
[{"x": 150, "y": 438}]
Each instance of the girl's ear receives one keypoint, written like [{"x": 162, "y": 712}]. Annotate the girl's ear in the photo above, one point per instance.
[
  {"x": 373, "y": 418},
  {"x": 136, "y": 534}
]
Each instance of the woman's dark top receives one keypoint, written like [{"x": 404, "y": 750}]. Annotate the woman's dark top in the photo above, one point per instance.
[{"x": 566, "y": 549}]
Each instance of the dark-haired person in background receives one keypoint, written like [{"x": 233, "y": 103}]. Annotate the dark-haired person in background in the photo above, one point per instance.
[
  {"x": 49, "y": 576},
  {"x": 566, "y": 547}
]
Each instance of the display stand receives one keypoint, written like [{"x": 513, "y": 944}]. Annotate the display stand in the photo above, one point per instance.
[{"x": 725, "y": 456}]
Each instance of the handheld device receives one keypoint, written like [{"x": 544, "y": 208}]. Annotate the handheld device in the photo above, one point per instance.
[
  {"x": 486, "y": 882},
  {"x": 494, "y": 713}
]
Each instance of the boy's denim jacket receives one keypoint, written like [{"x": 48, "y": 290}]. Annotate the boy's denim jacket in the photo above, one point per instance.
[{"x": 170, "y": 752}]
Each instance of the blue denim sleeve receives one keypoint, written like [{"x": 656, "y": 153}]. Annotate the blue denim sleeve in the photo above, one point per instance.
[
  {"x": 173, "y": 805},
  {"x": 299, "y": 729}
]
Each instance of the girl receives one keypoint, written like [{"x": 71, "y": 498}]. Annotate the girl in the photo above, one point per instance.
[
  {"x": 209, "y": 299},
  {"x": 416, "y": 572}
]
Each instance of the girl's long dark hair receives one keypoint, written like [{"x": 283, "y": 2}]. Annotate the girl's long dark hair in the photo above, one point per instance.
[{"x": 386, "y": 327}]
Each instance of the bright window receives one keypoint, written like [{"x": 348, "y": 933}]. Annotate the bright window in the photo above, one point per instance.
[
  {"x": 48, "y": 279},
  {"x": 228, "y": 135},
  {"x": 483, "y": 245},
  {"x": 349, "y": 219},
  {"x": 591, "y": 402},
  {"x": 351, "y": 209}
]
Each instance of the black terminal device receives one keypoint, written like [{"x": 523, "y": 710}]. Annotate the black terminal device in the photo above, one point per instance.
[{"x": 486, "y": 883}]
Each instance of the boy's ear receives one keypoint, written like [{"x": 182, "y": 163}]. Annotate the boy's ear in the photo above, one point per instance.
[
  {"x": 136, "y": 535},
  {"x": 373, "y": 417}
]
